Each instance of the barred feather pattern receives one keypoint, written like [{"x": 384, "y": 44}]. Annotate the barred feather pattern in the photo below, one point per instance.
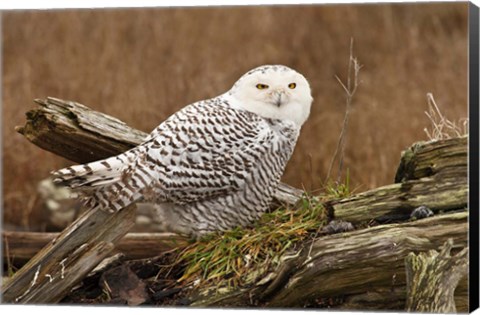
[{"x": 215, "y": 165}]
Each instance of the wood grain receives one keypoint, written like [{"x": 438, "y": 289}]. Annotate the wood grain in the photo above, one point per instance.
[{"x": 87, "y": 241}]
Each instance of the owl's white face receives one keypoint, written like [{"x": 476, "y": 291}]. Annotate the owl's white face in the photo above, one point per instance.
[{"x": 274, "y": 92}]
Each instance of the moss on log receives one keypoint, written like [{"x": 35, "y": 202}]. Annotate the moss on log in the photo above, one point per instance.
[
  {"x": 425, "y": 159},
  {"x": 440, "y": 192},
  {"x": 432, "y": 278},
  {"x": 431, "y": 174}
]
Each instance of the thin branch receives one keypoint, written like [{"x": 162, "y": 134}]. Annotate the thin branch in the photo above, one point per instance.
[{"x": 349, "y": 92}]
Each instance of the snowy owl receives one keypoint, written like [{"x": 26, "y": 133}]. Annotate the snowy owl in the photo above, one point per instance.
[{"x": 215, "y": 164}]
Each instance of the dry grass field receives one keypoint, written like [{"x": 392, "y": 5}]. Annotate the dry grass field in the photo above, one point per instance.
[{"x": 141, "y": 65}]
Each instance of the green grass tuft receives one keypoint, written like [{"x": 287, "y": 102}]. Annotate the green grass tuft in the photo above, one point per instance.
[
  {"x": 339, "y": 190},
  {"x": 240, "y": 256}
]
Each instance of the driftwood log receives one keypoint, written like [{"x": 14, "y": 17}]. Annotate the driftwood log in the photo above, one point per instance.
[
  {"x": 53, "y": 271},
  {"x": 430, "y": 173},
  {"x": 22, "y": 246},
  {"x": 364, "y": 268}
]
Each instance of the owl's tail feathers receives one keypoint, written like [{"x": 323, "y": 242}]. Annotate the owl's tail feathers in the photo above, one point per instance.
[
  {"x": 102, "y": 183},
  {"x": 90, "y": 176}
]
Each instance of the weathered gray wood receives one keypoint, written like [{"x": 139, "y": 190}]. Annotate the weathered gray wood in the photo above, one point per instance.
[
  {"x": 348, "y": 264},
  {"x": 58, "y": 282},
  {"x": 425, "y": 159},
  {"x": 94, "y": 230},
  {"x": 387, "y": 299},
  {"x": 432, "y": 174},
  {"x": 78, "y": 133},
  {"x": 22, "y": 246},
  {"x": 443, "y": 191},
  {"x": 351, "y": 262},
  {"x": 432, "y": 278},
  {"x": 18, "y": 246}
]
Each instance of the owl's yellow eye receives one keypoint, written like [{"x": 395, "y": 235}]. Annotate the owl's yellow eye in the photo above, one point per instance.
[
  {"x": 292, "y": 85},
  {"x": 261, "y": 86}
]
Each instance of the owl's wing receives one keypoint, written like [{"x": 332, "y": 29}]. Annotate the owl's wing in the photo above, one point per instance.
[{"x": 202, "y": 151}]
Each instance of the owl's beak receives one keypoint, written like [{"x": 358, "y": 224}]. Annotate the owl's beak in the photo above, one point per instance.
[{"x": 278, "y": 97}]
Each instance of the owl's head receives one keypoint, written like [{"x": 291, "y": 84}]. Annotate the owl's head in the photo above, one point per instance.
[{"x": 274, "y": 92}]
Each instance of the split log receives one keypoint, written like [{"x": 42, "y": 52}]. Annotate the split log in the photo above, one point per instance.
[
  {"x": 50, "y": 274},
  {"x": 76, "y": 132},
  {"x": 441, "y": 192},
  {"x": 82, "y": 135},
  {"x": 425, "y": 159},
  {"x": 370, "y": 262},
  {"x": 432, "y": 278},
  {"x": 432, "y": 174}
]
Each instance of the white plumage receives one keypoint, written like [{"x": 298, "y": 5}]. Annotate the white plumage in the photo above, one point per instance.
[{"x": 216, "y": 163}]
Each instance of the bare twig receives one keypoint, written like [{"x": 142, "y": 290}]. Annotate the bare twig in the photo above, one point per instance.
[{"x": 350, "y": 89}]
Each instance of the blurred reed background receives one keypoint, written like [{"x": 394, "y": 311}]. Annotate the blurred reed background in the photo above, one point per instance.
[{"x": 142, "y": 65}]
